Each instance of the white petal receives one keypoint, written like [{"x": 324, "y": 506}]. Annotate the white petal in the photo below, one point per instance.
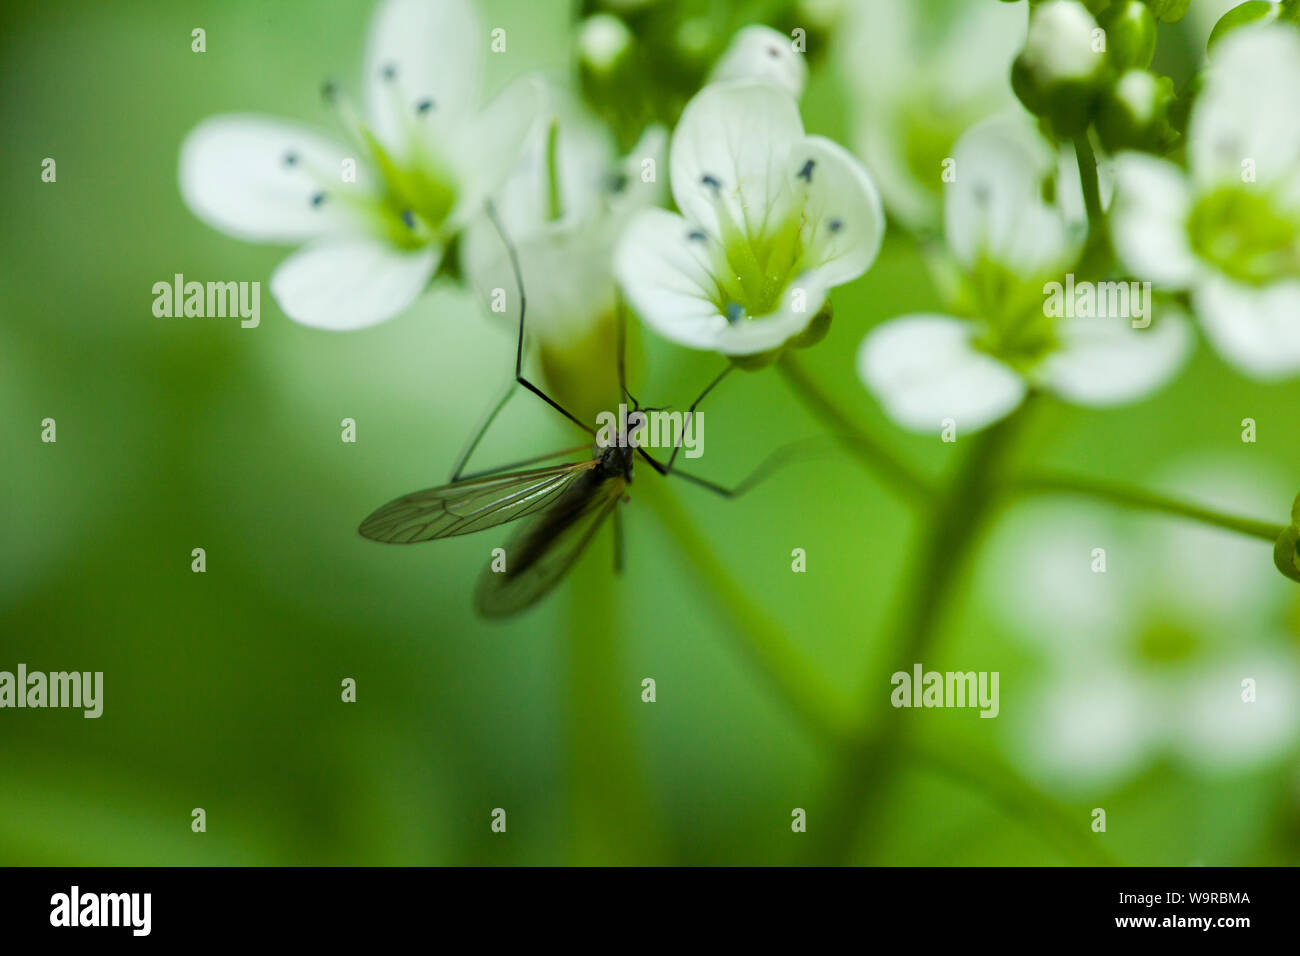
[
  {"x": 995, "y": 206},
  {"x": 492, "y": 145},
  {"x": 1148, "y": 220},
  {"x": 1246, "y": 110},
  {"x": 1209, "y": 577},
  {"x": 566, "y": 270},
  {"x": 434, "y": 50},
  {"x": 1255, "y": 328},
  {"x": 345, "y": 284},
  {"x": 1217, "y": 730},
  {"x": 236, "y": 175},
  {"x": 844, "y": 218},
  {"x": 1105, "y": 361},
  {"x": 760, "y": 53},
  {"x": 927, "y": 80},
  {"x": 1090, "y": 729},
  {"x": 667, "y": 277},
  {"x": 737, "y": 134},
  {"x": 924, "y": 369},
  {"x": 1040, "y": 576}
]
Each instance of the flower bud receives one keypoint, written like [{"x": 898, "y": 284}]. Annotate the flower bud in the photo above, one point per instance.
[
  {"x": 1135, "y": 113},
  {"x": 1168, "y": 11},
  {"x": 1061, "y": 71},
  {"x": 1253, "y": 12},
  {"x": 1284, "y": 550},
  {"x": 603, "y": 41},
  {"x": 1130, "y": 34}
]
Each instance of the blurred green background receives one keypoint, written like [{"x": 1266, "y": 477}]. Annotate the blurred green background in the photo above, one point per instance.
[{"x": 222, "y": 690}]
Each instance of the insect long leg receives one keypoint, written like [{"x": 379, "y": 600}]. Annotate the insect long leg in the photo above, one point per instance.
[
  {"x": 772, "y": 463},
  {"x": 677, "y": 447},
  {"x": 519, "y": 346},
  {"x": 618, "y": 540},
  {"x": 463, "y": 458}
]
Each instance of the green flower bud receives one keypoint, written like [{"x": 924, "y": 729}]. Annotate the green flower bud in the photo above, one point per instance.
[
  {"x": 1130, "y": 34},
  {"x": 1284, "y": 554},
  {"x": 604, "y": 41},
  {"x": 1060, "y": 73},
  {"x": 1168, "y": 11},
  {"x": 1253, "y": 11},
  {"x": 1284, "y": 550},
  {"x": 1135, "y": 113}
]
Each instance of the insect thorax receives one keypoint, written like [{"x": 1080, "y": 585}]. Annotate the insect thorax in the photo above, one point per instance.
[{"x": 616, "y": 460}]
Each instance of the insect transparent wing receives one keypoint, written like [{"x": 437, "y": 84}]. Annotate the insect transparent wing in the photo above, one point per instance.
[
  {"x": 539, "y": 554},
  {"x": 469, "y": 506}
]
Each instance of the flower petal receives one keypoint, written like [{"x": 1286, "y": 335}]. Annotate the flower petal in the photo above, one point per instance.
[
  {"x": 418, "y": 51},
  {"x": 492, "y": 144},
  {"x": 995, "y": 206},
  {"x": 566, "y": 273},
  {"x": 666, "y": 274},
  {"x": 760, "y": 53},
  {"x": 1255, "y": 328},
  {"x": 1105, "y": 361},
  {"x": 255, "y": 177},
  {"x": 1217, "y": 730},
  {"x": 1148, "y": 220},
  {"x": 844, "y": 220},
  {"x": 1246, "y": 110},
  {"x": 345, "y": 284},
  {"x": 926, "y": 81},
  {"x": 1089, "y": 728},
  {"x": 924, "y": 369},
  {"x": 734, "y": 135}
]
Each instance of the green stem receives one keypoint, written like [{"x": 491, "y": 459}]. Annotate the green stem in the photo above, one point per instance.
[
  {"x": 863, "y": 781},
  {"x": 901, "y": 477},
  {"x": 1143, "y": 501},
  {"x": 612, "y": 819},
  {"x": 554, "y": 203},
  {"x": 818, "y": 704},
  {"x": 774, "y": 655},
  {"x": 1087, "y": 161},
  {"x": 993, "y": 777}
]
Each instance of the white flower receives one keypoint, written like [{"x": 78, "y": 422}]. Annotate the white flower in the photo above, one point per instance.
[
  {"x": 565, "y": 254},
  {"x": 1229, "y": 232},
  {"x": 926, "y": 368},
  {"x": 1059, "y": 47},
  {"x": 1148, "y": 657},
  {"x": 771, "y": 220},
  {"x": 760, "y": 53},
  {"x": 375, "y": 215},
  {"x": 920, "y": 74}
]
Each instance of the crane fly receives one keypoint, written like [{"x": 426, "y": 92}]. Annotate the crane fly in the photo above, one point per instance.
[{"x": 564, "y": 505}]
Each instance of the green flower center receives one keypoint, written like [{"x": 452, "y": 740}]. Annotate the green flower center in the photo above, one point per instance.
[
  {"x": 1017, "y": 327},
  {"x": 752, "y": 270},
  {"x": 417, "y": 195},
  {"x": 1243, "y": 232},
  {"x": 1164, "y": 642}
]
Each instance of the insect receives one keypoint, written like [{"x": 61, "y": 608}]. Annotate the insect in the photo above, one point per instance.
[{"x": 564, "y": 505}]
